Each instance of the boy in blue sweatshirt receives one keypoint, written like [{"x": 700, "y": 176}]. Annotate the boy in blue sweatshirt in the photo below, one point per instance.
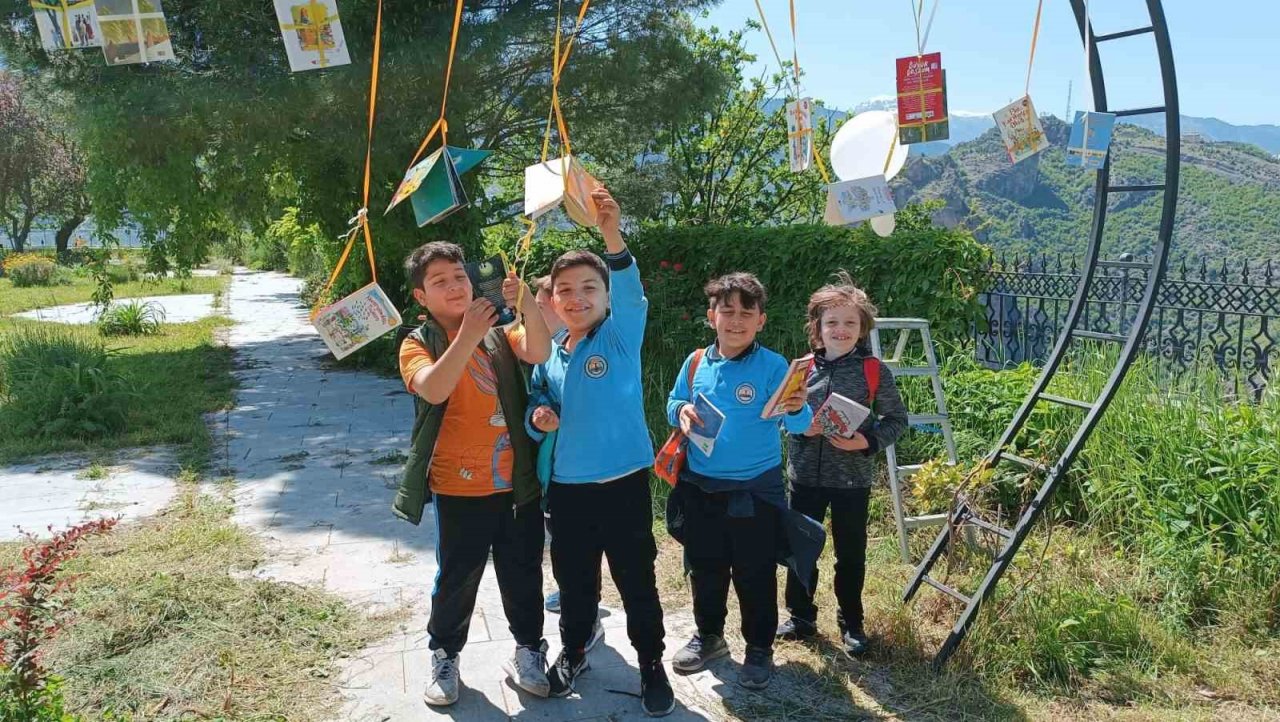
[
  {"x": 732, "y": 502},
  {"x": 598, "y": 494}
]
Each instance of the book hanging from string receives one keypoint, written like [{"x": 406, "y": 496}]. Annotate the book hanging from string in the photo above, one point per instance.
[
  {"x": 312, "y": 34},
  {"x": 922, "y": 99},
  {"x": 1090, "y": 139},
  {"x": 133, "y": 31},
  {"x": 800, "y": 134},
  {"x": 434, "y": 185},
  {"x": 67, "y": 24},
  {"x": 1020, "y": 129},
  {"x": 560, "y": 181}
]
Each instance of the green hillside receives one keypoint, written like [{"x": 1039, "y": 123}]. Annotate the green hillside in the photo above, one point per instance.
[{"x": 1228, "y": 205}]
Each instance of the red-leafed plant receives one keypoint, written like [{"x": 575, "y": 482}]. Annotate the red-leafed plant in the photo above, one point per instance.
[{"x": 32, "y": 609}]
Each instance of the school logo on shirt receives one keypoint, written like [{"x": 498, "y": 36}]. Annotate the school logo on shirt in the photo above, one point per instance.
[
  {"x": 746, "y": 393},
  {"x": 596, "y": 366}
]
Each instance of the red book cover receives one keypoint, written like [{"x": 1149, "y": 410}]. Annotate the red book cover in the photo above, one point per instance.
[{"x": 922, "y": 102}]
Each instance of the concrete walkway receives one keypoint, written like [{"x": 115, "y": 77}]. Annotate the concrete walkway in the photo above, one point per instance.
[
  {"x": 316, "y": 453},
  {"x": 62, "y": 491},
  {"x": 176, "y": 309}
]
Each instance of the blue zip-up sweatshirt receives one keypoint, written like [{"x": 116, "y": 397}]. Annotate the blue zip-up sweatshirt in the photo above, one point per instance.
[
  {"x": 740, "y": 387},
  {"x": 596, "y": 389}
]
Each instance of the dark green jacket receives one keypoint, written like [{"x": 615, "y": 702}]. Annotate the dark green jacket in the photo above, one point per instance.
[{"x": 513, "y": 396}]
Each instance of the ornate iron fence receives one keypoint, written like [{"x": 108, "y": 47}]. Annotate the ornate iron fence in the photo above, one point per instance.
[{"x": 1208, "y": 313}]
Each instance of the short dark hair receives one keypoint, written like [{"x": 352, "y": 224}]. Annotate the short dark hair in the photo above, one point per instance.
[
  {"x": 573, "y": 259},
  {"x": 426, "y": 254},
  {"x": 749, "y": 289}
]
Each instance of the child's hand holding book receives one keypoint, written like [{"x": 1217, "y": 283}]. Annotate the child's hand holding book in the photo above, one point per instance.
[{"x": 857, "y": 442}]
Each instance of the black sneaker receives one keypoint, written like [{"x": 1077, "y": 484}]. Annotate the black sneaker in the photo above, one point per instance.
[
  {"x": 757, "y": 668},
  {"x": 698, "y": 652},
  {"x": 855, "y": 642},
  {"x": 797, "y": 630},
  {"x": 656, "y": 695},
  {"x": 564, "y": 673}
]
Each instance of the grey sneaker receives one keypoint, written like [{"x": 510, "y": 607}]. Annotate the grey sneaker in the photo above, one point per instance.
[
  {"x": 553, "y": 602},
  {"x": 442, "y": 691},
  {"x": 757, "y": 669},
  {"x": 854, "y": 642},
  {"x": 527, "y": 667},
  {"x": 698, "y": 652}
]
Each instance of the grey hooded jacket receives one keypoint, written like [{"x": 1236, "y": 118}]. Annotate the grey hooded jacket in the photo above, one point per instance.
[{"x": 812, "y": 460}]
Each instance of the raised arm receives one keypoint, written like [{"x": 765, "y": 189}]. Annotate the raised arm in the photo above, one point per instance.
[{"x": 436, "y": 379}]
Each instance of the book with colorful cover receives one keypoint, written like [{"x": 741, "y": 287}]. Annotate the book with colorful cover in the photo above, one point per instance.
[
  {"x": 354, "y": 321},
  {"x": 841, "y": 416},
  {"x": 704, "y": 434},
  {"x": 487, "y": 278},
  {"x": 560, "y": 181},
  {"x": 1090, "y": 139},
  {"x": 922, "y": 99},
  {"x": 796, "y": 379},
  {"x": 1020, "y": 129},
  {"x": 800, "y": 134},
  {"x": 854, "y": 201},
  {"x": 312, "y": 34},
  {"x": 133, "y": 31},
  {"x": 67, "y": 24}
]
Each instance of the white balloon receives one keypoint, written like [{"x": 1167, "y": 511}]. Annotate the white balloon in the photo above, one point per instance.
[
  {"x": 861, "y": 144},
  {"x": 884, "y": 225}
]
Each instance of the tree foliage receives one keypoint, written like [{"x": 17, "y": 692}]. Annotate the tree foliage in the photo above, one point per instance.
[{"x": 226, "y": 136}]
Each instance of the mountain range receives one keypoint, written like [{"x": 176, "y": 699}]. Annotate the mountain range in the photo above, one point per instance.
[{"x": 1228, "y": 203}]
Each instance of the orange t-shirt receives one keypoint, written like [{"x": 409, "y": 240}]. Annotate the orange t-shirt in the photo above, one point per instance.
[{"x": 473, "y": 455}]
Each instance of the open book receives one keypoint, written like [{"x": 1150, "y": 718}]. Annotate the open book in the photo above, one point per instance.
[
  {"x": 796, "y": 378},
  {"x": 704, "y": 434},
  {"x": 435, "y": 184},
  {"x": 840, "y": 416},
  {"x": 545, "y": 187},
  {"x": 486, "y": 282}
]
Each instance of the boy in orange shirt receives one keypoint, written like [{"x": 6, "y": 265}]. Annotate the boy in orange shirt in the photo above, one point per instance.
[{"x": 471, "y": 452}]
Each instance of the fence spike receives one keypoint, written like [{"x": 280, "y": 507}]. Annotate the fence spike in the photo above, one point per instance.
[
  {"x": 1267, "y": 275},
  {"x": 1244, "y": 272}
]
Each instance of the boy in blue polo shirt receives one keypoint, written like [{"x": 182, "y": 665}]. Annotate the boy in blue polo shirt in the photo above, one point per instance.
[
  {"x": 731, "y": 504},
  {"x": 598, "y": 495}
]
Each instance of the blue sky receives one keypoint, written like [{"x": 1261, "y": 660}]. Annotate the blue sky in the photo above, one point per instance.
[{"x": 1224, "y": 52}]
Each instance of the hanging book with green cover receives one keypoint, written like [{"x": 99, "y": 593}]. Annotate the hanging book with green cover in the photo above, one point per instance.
[{"x": 434, "y": 186}]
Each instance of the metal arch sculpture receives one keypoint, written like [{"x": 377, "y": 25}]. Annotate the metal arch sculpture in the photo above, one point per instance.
[{"x": 962, "y": 515}]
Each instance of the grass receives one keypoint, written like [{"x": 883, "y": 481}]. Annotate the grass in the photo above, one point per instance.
[
  {"x": 168, "y": 625},
  {"x": 179, "y": 375},
  {"x": 80, "y": 290}
]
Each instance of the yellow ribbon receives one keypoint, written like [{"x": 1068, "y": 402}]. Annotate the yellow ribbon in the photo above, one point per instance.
[
  {"x": 360, "y": 222},
  {"x": 1035, "y": 34}
]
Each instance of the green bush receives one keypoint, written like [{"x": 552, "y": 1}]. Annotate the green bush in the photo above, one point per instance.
[
  {"x": 133, "y": 318},
  {"x": 54, "y": 382},
  {"x": 290, "y": 246},
  {"x": 30, "y": 269}
]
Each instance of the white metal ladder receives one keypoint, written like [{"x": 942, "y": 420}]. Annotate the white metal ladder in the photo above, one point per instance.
[{"x": 899, "y": 474}]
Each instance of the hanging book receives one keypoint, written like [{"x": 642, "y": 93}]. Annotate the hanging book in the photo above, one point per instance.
[
  {"x": 922, "y": 99},
  {"x": 67, "y": 24},
  {"x": 704, "y": 434},
  {"x": 795, "y": 380},
  {"x": 312, "y": 34},
  {"x": 800, "y": 134},
  {"x": 854, "y": 201},
  {"x": 435, "y": 183},
  {"x": 133, "y": 31},
  {"x": 841, "y": 416},
  {"x": 1090, "y": 139},
  {"x": 487, "y": 278},
  {"x": 545, "y": 187},
  {"x": 353, "y": 322},
  {"x": 1020, "y": 129}
]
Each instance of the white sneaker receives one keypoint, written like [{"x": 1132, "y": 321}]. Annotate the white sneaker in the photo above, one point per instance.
[
  {"x": 443, "y": 689},
  {"x": 527, "y": 667},
  {"x": 597, "y": 634}
]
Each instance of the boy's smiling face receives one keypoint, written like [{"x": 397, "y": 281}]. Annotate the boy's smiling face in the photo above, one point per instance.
[
  {"x": 446, "y": 291},
  {"x": 580, "y": 298},
  {"x": 841, "y": 330},
  {"x": 736, "y": 324}
]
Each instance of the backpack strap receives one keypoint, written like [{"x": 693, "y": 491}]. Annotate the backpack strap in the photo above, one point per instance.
[
  {"x": 693, "y": 367},
  {"x": 871, "y": 369}
]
